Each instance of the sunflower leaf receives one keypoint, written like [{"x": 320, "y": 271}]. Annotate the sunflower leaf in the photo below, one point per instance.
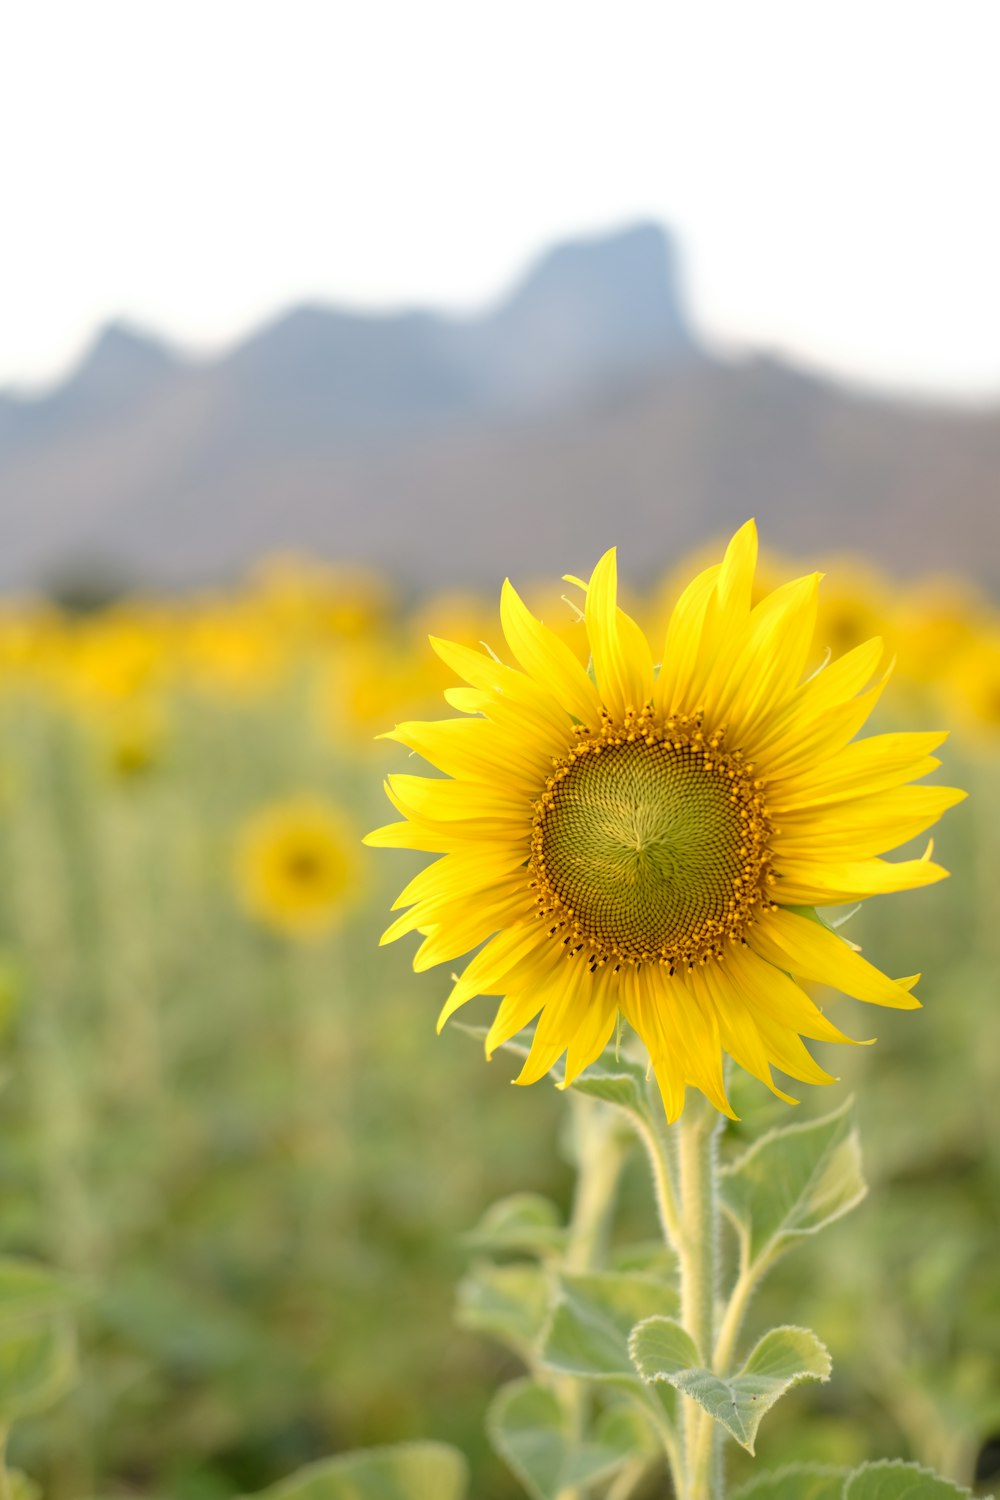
[
  {"x": 895, "y": 1480},
  {"x": 588, "y": 1336},
  {"x": 534, "y": 1436},
  {"x": 522, "y": 1222},
  {"x": 792, "y": 1182},
  {"x": 795, "y": 1482},
  {"x": 617, "y": 1081},
  {"x": 408, "y": 1471},
  {"x": 662, "y": 1350},
  {"x": 509, "y": 1303}
]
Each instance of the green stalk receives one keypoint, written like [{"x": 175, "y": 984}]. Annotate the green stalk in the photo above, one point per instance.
[
  {"x": 598, "y": 1152},
  {"x": 659, "y": 1143},
  {"x": 699, "y": 1257}
]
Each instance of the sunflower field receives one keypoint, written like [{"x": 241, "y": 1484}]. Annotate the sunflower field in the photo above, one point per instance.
[{"x": 255, "y": 1180}]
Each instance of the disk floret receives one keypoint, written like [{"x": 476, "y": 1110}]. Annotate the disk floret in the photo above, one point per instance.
[{"x": 650, "y": 843}]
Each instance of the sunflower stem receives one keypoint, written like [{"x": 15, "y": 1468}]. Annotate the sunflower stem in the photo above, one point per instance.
[
  {"x": 598, "y": 1154},
  {"x": 599, "y": 1151},
  {"x": 697, "y": 1137},
  {"x": 660, "y": 1145}
]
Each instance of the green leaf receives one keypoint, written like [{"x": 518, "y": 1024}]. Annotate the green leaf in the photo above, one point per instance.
[
  {"x": 409, "y": 1471},
  {"x": 524, "y": 1222},
  {"x": 662, "y": 1350},
  {"x": 792, "y": 1182},
  {"x": 509, "y": 1303},
  {"x": 37, "y": 1338},
  {"x": 617, "y": 1081},
  {"x": 589, "y": 1333},
  {"x": 888, "y": 1480},
  {"x": 534, "y": 1436},
  {"x": 795, "y": 1482},
  {"x": 647, "y": 1257},
  {"x": 899, "y": 1481},
  {"x": 518, "y": 1046}
]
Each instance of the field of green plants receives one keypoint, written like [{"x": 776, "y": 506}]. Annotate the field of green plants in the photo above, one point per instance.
[{"x": 227, "y": 1122}]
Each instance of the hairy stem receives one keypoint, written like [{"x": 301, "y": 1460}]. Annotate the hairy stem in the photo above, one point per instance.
[
  {"x": 598, "y": 1152},
  {"x": 696, "y": 1150}
]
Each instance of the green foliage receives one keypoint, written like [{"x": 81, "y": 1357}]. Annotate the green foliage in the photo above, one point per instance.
[
  {"x": 898, "y": 1481},
  {"x": 409, "y": 1471},
  {"x": 663, "y": 1351},
  {"x": 588, "y": 1336},
  {"x": 508, "y": 1303},
  {"x": 524, "y": 1223},
  {"x": 620, "y": 1082},
  {"x": 875, "y": 1481},
  {"x": 795, "y": 1482},
  {"x": 534, "y": 1432},
  {"x": 793, "y": 1182}
]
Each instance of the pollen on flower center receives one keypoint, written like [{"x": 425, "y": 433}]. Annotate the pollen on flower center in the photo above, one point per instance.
[{"x": 649, "y": 844}]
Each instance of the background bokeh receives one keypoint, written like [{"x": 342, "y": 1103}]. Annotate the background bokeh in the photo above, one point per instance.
[{"x": 313, "y": 329}]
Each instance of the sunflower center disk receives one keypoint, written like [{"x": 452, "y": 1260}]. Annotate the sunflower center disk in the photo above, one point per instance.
[{"x": 650, "y": 847}]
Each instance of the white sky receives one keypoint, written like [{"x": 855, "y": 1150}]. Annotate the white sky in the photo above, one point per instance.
[{"x": 829, "y": 166}]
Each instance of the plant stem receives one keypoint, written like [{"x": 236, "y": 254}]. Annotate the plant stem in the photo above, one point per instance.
[
  {"x": 598, "y": 1152},
  {"x": 697, "y": 1133},
  {"x": 732, "y": 1318},
  {"x": 658, "y": 1141}
]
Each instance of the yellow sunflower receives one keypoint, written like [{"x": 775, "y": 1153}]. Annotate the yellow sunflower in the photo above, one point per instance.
[
  {"x": 295, "y": 867},
  {"x": 652, "y": 844}
]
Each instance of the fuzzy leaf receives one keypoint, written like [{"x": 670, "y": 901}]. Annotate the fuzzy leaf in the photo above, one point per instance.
[
  {"x": 524, "y": 1222},
  {"x": 409, "y": 1471},
  {"x": 534, "y": 1436},
  {"x": 895, "y": 1480},
  {"x": 617, "y": 1081},
  {"x": 663, "y": 1351},
  {"x": 796, "y": 1482},
  {"x": 509, "y": 1303},
  {"x": 794, "y": 1181},
  {"x": 589, "y": 1333}
]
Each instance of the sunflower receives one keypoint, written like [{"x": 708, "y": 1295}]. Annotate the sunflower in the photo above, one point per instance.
[
  {"x": 653, "y": 844},
  {"x": 295, "y": 867}
]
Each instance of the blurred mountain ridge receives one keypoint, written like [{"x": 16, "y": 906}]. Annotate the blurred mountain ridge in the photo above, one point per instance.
[{"x": 580, "y": 411}]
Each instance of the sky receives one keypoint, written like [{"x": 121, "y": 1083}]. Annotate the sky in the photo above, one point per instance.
[{"x": 194, "y": 166}]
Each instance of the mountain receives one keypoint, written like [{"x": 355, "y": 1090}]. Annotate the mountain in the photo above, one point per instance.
[
  {"x": 579, "y": 411},
  {"x": 122, "y": 369}
]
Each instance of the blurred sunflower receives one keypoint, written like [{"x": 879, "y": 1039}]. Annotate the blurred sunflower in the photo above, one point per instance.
[
  {"x": 295, "y": 867},
  {"x": 974, "y": 689},
  {"x": 652, "y": 844}
]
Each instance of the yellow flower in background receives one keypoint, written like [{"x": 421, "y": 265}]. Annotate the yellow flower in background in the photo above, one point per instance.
[
  {"x": 131, "y": 737},
  {"x": 651, "y": 843},
  {"x": 937, "y": 620},
  {"x": 311, "y": 601},
  {"x": 229, "y": 649},
  {"x": 296, "y": 867},
  {"x": 853, "y": 607},
  {"x": 974, "y": 689}
]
